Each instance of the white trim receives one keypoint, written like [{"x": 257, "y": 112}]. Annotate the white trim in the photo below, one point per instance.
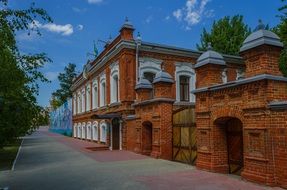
[
  {"x": 95, "y": 131},
  {"x": 103, "y": 131},
  {"x": 103, "y": 90},
  {"x": 18, "y": 152},
  {"x": 89, "y": 130},
  {"x": 88, "y": 97},
  {"x": 185, "y": 69},
  {"x": 79, "y": 131},
  {"x": 147, "y": 64},
  {"x": 95, "y": 94},
  {"x": 75, "y": 130},
  {"x": 224, "y": 76},
  {"x": 84, "y": 130},
  {"x": 115, "y": 97}
]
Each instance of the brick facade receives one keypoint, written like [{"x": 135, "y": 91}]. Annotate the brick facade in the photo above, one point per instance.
[{"x": 227, "y": 102}]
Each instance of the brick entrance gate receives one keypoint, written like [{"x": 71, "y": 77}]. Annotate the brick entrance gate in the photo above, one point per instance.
[{"x": 242, "y": 124}]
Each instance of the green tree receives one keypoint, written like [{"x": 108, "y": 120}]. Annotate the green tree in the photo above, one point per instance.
[
  {"x": 226, "y": 35},
  {"x": 281, "y": 30},
  {"x": 63, "y": 93},
  {"x": 19, "y": 74}
]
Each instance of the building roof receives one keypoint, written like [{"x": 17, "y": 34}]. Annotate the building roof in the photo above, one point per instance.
[
  {"x": 163, "y": 76},
  {"x": 260, "y": 37},
  {"x": 143, "y": 84},
  {"x": 210, "y": 57}
]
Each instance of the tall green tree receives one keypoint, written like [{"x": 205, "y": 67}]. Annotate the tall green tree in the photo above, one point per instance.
[
  {"x": 226, "y": 35},
  {"x": 63, "y": 93},
  {"x": 281, "y": 30},
  {"x": 19, "y": 74}
]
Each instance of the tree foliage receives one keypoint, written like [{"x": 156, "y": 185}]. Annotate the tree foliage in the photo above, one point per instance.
[
  {"x": 281, "y": 30},
  {"x": 19, "y": 74},
  {"x": 63, "y": 93},
  {"x": 226, "y": 35}
]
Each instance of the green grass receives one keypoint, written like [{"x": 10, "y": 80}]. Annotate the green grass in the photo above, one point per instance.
[{"x": 8, "y": 155}]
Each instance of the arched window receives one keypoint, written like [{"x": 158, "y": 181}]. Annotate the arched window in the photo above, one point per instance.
[
  {"x": 83, "y": 130},
  {"x": 103, "y": 132},
  {"x": 95, "y": 94},
  {"x": 103, "y": 90},
  {"x": 79, "y": 104},
  {"x": 185, "y": 82},
  {"x": 184, "y": 88},
  {"x": 149, "y": 76},
  {"x": 79, "y": 132},
  {"x": 74, "y": 104},
  {"x": 75, "y": 130},
  {"x": 83, "y": 100},
  {"x": 114, "y": 82},
  {"x": 88, "y": 98},
  {"x": 95, "y": 129},
  {"x": 89, "y": 130}
]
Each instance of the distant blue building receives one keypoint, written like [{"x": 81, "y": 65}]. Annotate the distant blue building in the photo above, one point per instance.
[{"x": 61, "y": 119}]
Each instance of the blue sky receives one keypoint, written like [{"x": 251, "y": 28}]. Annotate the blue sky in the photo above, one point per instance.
[{"x": 173, "y": 22}]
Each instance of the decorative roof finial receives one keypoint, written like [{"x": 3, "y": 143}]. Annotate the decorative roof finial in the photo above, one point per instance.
[
  {"x": 260, "y": 25},
  {"x": 127, "y": 19},
  {"x": 139, "y": 36},
  {"x": 209, "y": 47}
]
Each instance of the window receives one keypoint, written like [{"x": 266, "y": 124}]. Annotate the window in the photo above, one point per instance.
[
  {"x": 79, "y": 104},
  {"x": 88, "y": 98},
  {"x": 74, "y": 104},
  {"x": 149, "y": 76},
  {"x": 83, "y": 101},
  {"x": 114, "y": 82},
  {"x": 184, "y": 88},
  {"x": 103, "y": 90},
  {"x": 95, "y": 131},
  {"x": 103, "y": 94},
  {"x": 103, "y": 132},
  {"x": 95, "y": 95},
  {"x": 114, "y": 89},
  {"x": 185, "y": 82}
]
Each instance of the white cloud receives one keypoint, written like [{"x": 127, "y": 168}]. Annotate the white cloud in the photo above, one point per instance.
[
  {"x": 177, "y": 14},
  {"x": 95, "y": 1},
  {"x": 52, "y": 75},
  {"x": 193, "y": 12},
  {"x": 79, "y": 10},
  {"x": 64, "y": 30},
  {"x": 148, "y": 19},
  {"x": 80, "y": 27}
]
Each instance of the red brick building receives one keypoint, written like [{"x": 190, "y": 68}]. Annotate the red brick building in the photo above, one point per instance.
[{"x": 127, "y": 96}]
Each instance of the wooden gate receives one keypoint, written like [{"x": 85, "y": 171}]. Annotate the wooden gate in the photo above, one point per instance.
[{"x": 184, "y": 136}]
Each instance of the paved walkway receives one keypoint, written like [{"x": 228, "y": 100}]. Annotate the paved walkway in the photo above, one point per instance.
[{"x": 50, "y": 161}]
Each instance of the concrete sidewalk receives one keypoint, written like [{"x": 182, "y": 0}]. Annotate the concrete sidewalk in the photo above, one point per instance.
[{"x": 51, "y": 161}]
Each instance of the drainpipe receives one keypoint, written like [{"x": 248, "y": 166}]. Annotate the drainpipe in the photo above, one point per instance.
[{"x": 138, "y": 43}]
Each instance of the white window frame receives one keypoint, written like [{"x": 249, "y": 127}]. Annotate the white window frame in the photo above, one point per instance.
[
  {"x": 79, "y": 104},
  {"x": 95, "y": 131},
  {"x": 79, "y": 131},
  {"x": 103, "y": 90},
  {"x": 224, "y": 76},
  {"x": 84, "y": 130},
  {"x": 74, "y": 104},
  {"x": 185, "y": 69},
  {"x": 75, "y": 130},
  {"x": 95, "y": 94},
  {"x": 83, "y": 109},
  {"x": 103, "y": 131},
  {"x": 149, "y": 65},
  {"x": 115, "y": 96},
  {"x": 88, "y": 98},
  {"x": 89, "y": 130}
]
